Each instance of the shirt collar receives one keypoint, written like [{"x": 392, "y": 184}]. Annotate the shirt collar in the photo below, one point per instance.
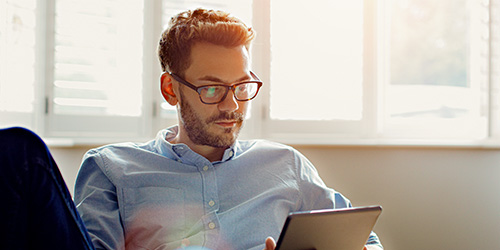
[{"x": 177, "y": 151}]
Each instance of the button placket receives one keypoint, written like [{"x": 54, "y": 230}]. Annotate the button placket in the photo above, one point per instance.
[
  {"x": 211, "y": 221},
  {"x": 210, "y": 196}
]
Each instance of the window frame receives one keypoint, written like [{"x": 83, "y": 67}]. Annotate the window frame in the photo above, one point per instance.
[
  {"x": 368, "y": 131},
  {"x": 317, "y": 132}
]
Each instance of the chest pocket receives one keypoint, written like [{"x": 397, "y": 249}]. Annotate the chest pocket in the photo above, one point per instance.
[{"x": 153, "y": 216}]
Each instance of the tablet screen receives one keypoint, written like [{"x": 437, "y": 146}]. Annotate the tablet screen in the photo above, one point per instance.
[{"x": 331, "y": 229}]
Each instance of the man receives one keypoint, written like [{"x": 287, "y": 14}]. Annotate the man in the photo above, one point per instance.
[{"x": 196, "y": 184}]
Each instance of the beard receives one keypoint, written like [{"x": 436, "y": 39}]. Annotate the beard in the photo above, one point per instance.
[{"x": 198, "y": 129}]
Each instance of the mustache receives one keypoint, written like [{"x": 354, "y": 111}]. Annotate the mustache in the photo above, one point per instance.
[{"x": 226, "y": 116}]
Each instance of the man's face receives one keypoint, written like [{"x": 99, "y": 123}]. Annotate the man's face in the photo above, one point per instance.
[{"x": 215, "y": 125}]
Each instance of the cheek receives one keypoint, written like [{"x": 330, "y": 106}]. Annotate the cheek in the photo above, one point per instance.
[
  {"x": 243, "y": 107},
  {"x": 207, "y": 112}
]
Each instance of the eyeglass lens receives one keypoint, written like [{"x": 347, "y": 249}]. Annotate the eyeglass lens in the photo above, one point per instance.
[{"x": 242, "y": 92}]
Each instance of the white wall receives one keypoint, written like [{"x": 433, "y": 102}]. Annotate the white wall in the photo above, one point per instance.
[{"x": 433, "y": 198}]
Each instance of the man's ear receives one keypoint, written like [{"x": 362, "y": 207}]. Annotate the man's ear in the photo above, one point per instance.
[{"x": 167, "y": 89}]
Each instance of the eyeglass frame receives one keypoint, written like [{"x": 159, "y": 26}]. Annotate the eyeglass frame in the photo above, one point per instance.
[{"x": 228, "y": 87}]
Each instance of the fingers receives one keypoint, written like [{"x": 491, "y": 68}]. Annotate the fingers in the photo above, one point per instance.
[{"x": 270, "y": 244}]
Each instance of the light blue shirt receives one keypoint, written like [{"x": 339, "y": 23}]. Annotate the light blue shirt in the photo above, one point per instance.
[{"x": 159, "y": 195}]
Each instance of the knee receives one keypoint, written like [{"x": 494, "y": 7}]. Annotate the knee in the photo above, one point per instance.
[{"x": 17, "y": 138}]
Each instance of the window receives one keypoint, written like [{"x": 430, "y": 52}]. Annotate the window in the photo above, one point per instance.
[
  {"x": 371, "y": 70},
  {"x": 17, "y": 62},
  {"x": 334, "y": 72},
  {"x": 328, "y": 67},
  {"x": 88, "y": 71},
  {"x": 437, "y": 76},
  {"x": 316, "y": 78},
  {"x": 63, "y": 64},
  {"x": 97, "y": 58},
  {"x": 95, "y": 85}
]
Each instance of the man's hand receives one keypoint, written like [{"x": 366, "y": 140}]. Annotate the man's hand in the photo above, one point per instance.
[{"x": 270, "y": 244}]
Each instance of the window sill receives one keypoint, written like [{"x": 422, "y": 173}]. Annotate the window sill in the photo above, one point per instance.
[
  {"x": 390, "y": 142},
  {"x": 87, "y": 142},
  {"x": 490, "y": 143}
]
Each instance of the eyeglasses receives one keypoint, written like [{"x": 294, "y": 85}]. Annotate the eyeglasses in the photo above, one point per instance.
[{"x": 216, "y": 93}]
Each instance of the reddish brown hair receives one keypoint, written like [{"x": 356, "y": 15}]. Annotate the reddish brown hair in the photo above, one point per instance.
[{"x": 200, "y": 25}]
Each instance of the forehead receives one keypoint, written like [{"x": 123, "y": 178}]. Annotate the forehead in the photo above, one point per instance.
[{"x": 225, "y": 63}]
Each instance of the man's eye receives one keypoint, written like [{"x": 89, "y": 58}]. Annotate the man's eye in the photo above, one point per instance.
[
  {"x": 242, "y": 88},
  {"x": 211, "y": 91}
]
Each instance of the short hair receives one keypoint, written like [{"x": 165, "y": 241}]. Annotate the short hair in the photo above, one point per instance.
[{"x": 200, "y": 25}]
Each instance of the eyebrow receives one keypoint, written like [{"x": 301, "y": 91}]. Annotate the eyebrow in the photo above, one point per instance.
[{"x": 218, "y": 80}]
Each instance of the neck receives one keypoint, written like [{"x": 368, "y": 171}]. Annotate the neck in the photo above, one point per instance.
[{"x": 210, "y": 153}]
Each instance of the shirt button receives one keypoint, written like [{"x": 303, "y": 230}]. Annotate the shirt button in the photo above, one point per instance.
[
  {"x": 205, "y": 168},
  {"x": 211, "y": 203},
  {"x": 179, "y": 160},
  {"x": 211, "y": 225}
]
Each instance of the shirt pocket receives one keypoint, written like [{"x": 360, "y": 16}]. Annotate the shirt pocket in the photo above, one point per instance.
[{"x": 153, "y": 215}]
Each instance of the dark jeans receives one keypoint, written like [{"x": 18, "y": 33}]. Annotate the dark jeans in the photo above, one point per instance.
[{"x": 36, "y": 211}]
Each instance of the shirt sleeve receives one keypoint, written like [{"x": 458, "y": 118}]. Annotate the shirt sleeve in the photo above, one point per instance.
[
  {"x": 314, "y": 192},
  {"x": 96, "y": 199},
  {"x": 316, "y": 195}
]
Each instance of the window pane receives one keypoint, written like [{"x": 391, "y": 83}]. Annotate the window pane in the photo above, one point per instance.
[
  {"x": 241, "y": 9},
  {"x": 438, "y": 62},
  {"x": 429, "y": 43},
  {"x": 17, "y": 55},
  {"x": 316, "y": 64},
  {"x": 98, "y": 57}
]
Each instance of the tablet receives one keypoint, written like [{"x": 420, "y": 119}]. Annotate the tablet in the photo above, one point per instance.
[{"x": 332, "y": 229}]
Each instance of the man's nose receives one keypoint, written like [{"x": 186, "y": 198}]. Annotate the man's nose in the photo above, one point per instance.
[{"x": 229, "y": 103}]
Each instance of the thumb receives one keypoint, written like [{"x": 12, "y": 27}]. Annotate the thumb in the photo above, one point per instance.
[{"x": 270, "y": 244}]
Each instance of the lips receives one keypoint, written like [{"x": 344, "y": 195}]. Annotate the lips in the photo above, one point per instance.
[
  {"x": 227, "y": 124},
  {"x": 226, "y": 120}
]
